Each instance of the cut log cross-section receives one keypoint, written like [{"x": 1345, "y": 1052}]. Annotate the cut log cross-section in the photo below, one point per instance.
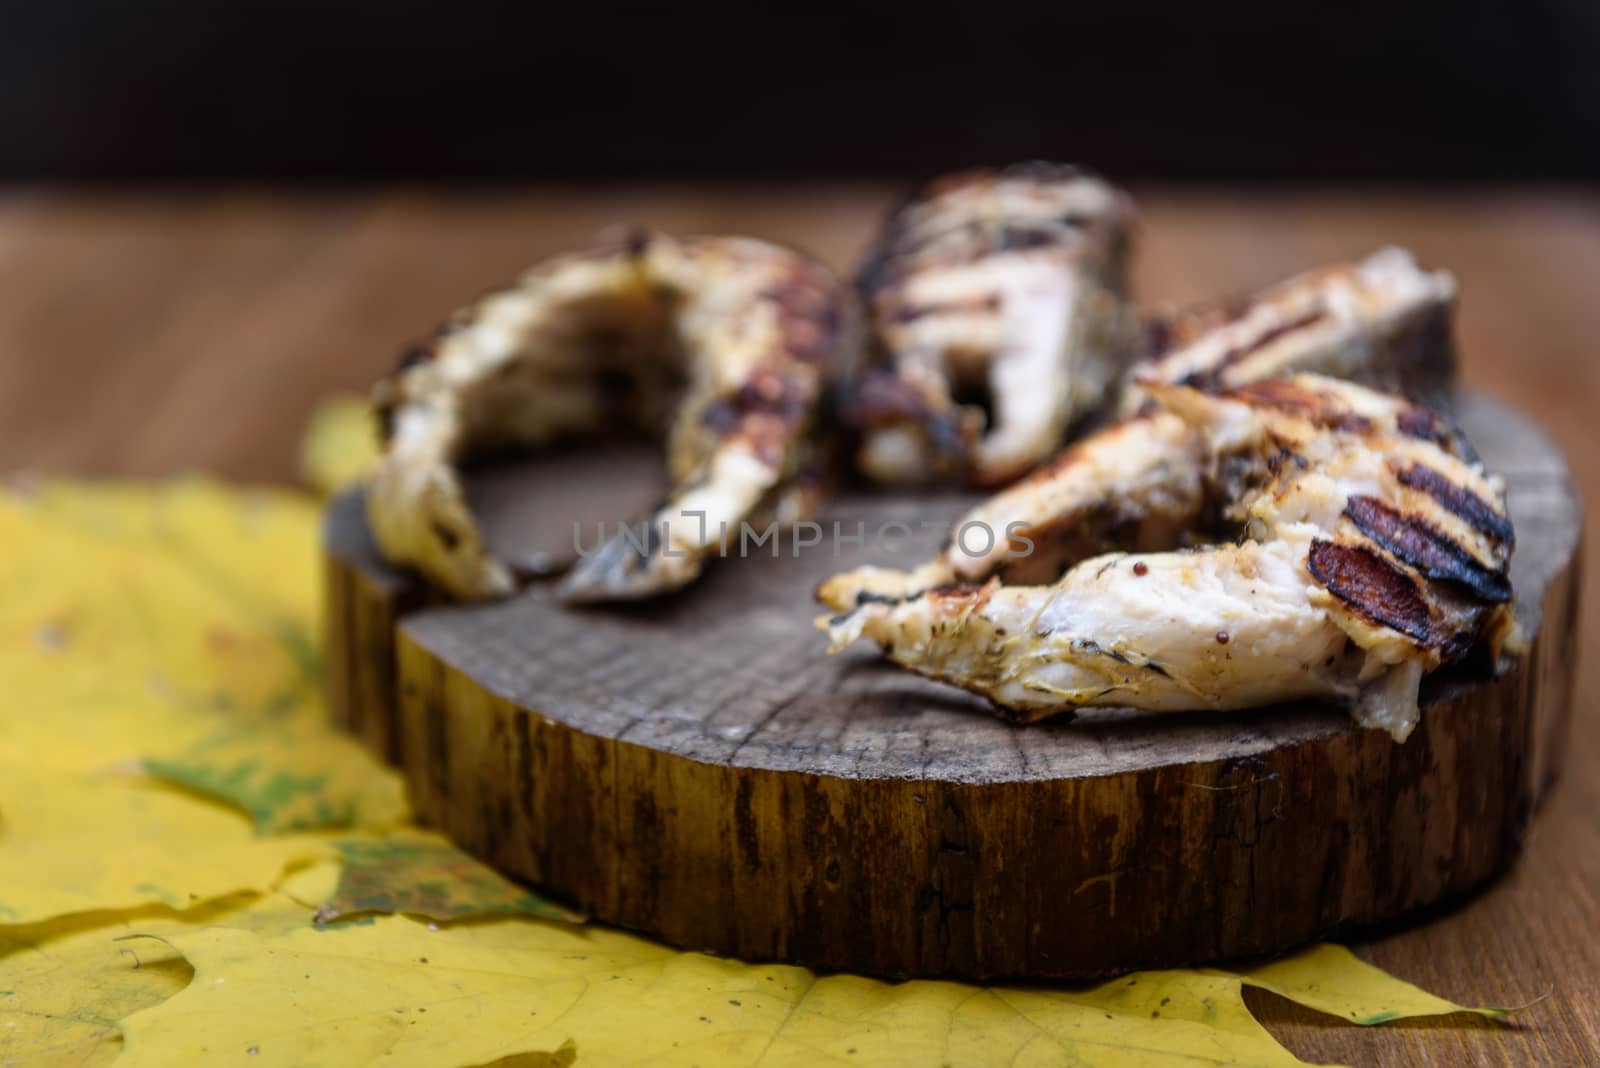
[{"x": 697, "y": 769}]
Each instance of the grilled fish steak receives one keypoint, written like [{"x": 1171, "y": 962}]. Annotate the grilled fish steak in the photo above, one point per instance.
[
  {"x": 605, "y": 340},
  {"x": 1006, "y": 285},
  {"x": 1373, "y": 548},
  {"x": 1383, "y": 321}
]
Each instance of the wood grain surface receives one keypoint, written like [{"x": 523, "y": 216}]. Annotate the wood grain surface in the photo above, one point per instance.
[
  {"x": 695, "y": 768},
  {"x": 153, "y": 333}
]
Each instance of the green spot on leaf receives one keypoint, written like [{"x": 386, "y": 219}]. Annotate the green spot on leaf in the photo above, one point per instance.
[
  {"x": 306, "y": 777},
  {"x": 421, "y": 873}
]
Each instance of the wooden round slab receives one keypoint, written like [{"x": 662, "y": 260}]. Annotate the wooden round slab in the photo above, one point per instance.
[{"x": 698, "y": 769}]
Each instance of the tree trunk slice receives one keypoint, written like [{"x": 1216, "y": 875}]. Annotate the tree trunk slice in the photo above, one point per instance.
[{"x": 696, "y": 768}]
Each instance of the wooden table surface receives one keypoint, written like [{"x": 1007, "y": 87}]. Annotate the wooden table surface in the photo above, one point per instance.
[{"x": 153, "y": 333}]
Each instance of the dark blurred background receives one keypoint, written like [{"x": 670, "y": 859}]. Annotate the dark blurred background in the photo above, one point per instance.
[{"x": 163, "y": 90}]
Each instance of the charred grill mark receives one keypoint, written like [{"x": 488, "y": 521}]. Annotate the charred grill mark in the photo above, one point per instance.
[
  {"x": 1170, "y": 332},
  {"x": 1267, "y": 337},
  {"x": 1423, "y": 423},
  {"x": 389, "y": 390},
  {"x": 1022, "y": 238},
  {"x": 918, "y": 222},
  {"x": 1463, "y": 502},
  {"x": 885, "y": 399},
  {"x": 952, "y": 598},
  {"x": 1283, "y": 395},
  {"x": 765, "y": 411},
  {"x": 809, "y": 320},
  {"x": 909, "y": 252},
  {"x": 415, "y": 355},
  {"x": 1426, "y": 548},
  {"x": 1375, "y": 588}
]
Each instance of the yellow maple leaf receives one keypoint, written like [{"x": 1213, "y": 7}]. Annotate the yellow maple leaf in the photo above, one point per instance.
[
  {"x": 340, "y": 444},
  {"x": 134, "y": 619},
  {"x": 84, "y": 842},
  {"x": 65, "y": 982},
  {"x": 288, "y": 776},
  {"x": 256, "y": 549},
  {"x": 178, "y": 623},
  {"x": 397, "y": 991},
  {"x": 1333, "y": 980}
]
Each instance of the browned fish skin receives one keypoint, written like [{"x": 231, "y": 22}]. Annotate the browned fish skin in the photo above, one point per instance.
[{"x": 1006, "y": 283}]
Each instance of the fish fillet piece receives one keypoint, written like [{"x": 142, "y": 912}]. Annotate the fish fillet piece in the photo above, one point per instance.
[
  {"x": 1005, "y": 285},
  {"x": 1383, "y": 321},
  {"x": 727, "y": 339},
  {"x": 1373, "y": 549},
  {"x": 1136, "y": 484}
]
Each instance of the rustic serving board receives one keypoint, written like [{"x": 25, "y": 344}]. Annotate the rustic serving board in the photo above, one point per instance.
[{"x": 698, "y": 769}]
